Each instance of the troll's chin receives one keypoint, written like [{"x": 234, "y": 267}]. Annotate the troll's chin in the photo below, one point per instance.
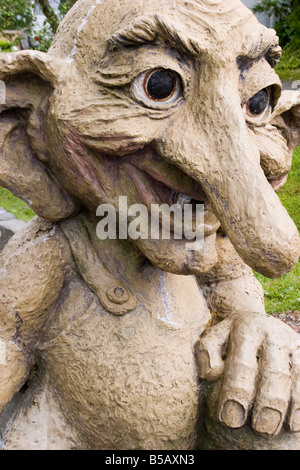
[{"x": 177, "y": 257}]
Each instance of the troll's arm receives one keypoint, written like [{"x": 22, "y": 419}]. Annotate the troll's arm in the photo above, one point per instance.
[
  {"x": 31, "y": 278},
  {"x": 255, "y": 357}
]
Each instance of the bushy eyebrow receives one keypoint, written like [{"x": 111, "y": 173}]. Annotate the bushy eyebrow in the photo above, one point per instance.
[
  {"x": 149, "y": 28},
  {"x": 267, "y": 48}
]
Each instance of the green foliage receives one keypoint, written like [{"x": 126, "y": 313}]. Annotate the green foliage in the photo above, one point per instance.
[
  {"x": 287, "y": 13},
  {"x": 46, "y": 33},
  {"x": 45, "y": 36},
  {"x": 20, "y": 14},
  {"x": 65, "y": 6},
  {"x": 287, "y": 27},
  {"x": 5, "y": 46},
  {"x": 15, "y": 14}
]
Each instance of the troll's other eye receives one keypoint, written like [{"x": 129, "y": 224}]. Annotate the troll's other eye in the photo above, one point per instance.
[
  {"x": 157, "y": 88},
  {"x": 257, "y": 106}
]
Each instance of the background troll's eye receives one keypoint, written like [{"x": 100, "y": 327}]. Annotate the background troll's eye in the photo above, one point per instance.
[
  {"x": 157, "y": 88},
  {"x": 160, "y": 84},
  {"x": 258, "y": 104}
]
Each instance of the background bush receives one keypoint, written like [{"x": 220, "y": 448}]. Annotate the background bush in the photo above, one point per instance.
[
  {"x": 21, "y": 15},
  {"x": 287, "y": 26}
]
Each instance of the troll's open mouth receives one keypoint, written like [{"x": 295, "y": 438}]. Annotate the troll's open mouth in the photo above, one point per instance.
[{"x": 160, "y": 182}]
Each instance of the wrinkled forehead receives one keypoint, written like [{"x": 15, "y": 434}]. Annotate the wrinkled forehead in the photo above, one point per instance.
[{"x": 201, "y": 24}]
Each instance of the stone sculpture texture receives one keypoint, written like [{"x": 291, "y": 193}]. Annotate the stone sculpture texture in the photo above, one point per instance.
[{"x": 121, "y": 344}]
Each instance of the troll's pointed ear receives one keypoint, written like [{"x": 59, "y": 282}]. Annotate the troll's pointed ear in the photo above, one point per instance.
[
  {"x": 27, "y": 82},
  {"x": 286, "y": 117}
]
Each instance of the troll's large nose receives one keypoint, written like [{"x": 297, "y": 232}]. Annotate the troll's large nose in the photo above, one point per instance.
[{"x": 216, "y": 150}]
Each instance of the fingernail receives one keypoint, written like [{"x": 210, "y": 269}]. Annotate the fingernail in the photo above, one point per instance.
[
  {"x": 203, "y": 362},
  {"x": 295, "y": 421},
  {"x": 267, "y": 421},
  {"x": 233, "y": 414}
]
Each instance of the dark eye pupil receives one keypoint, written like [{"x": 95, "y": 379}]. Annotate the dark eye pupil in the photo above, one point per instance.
[
  {"x": 161, "y": 84},
  {"x": 258, "y": 102}
]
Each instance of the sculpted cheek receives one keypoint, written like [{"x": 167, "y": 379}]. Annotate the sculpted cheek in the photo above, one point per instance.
[
  {"x": 85, "y": 174},
  {"x": 275, "y": 157},
  {"x": 118, "y": 136}
]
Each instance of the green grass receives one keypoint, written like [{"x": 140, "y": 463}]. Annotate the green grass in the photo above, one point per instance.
[
  {"x": 15, "y": 205},
  {"x": 289, "y": 65},
  {"x": 289, "y": 75},
  {"x": 282, "y": 295}
]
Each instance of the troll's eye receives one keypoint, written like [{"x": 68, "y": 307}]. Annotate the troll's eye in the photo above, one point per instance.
[
  {"x": 259, "y": 104},
  {"x": 160, "y": 84},
  {"x": 157, "y": 88}
]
